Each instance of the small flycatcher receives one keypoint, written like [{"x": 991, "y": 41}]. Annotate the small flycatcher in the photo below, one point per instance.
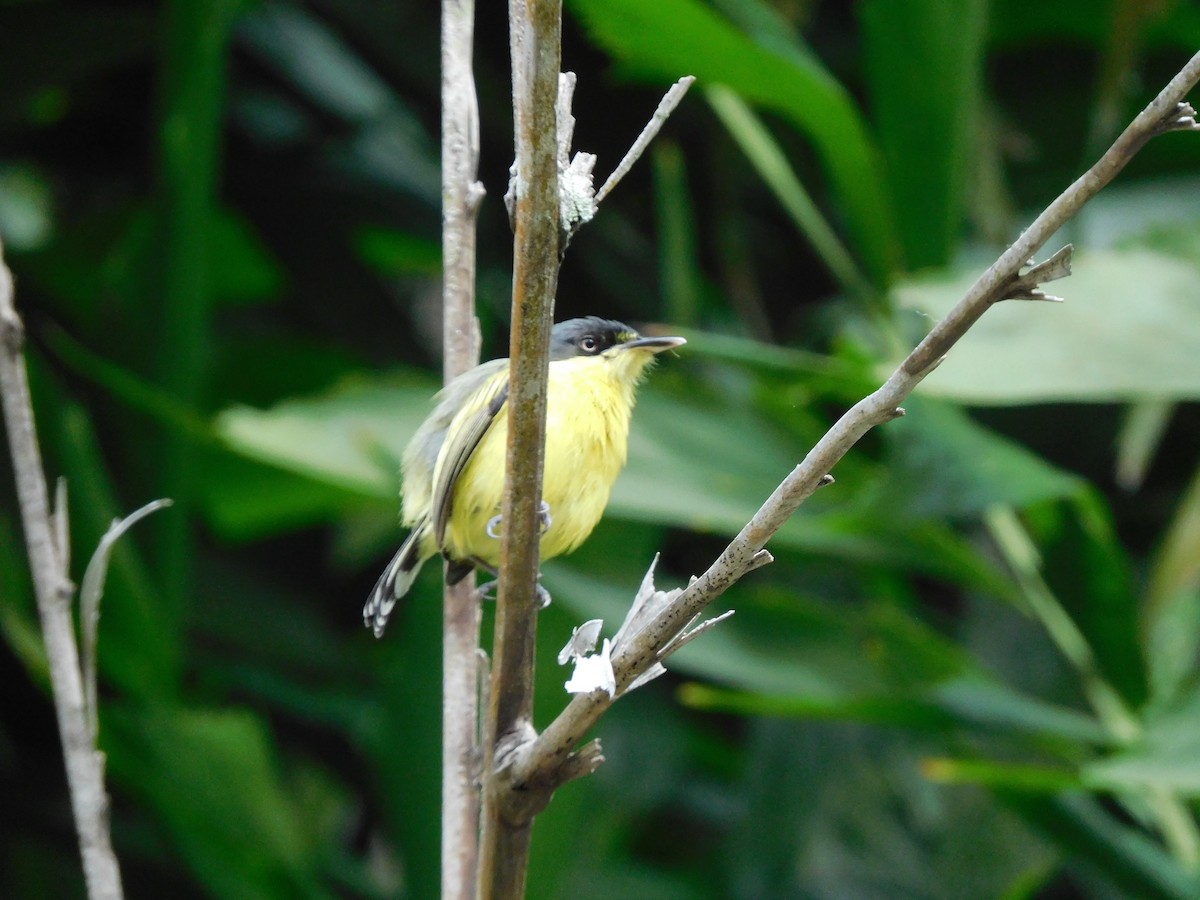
[{"x": 453, "y": 469}]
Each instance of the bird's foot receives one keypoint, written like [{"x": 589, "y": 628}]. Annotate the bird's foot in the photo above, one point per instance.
[
  {"x": 493, "y": 525},
  {"x": 487, "y": 591}
]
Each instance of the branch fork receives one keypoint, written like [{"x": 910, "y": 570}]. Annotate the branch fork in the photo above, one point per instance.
[
  {"x": 1182, "y": 118},
  {"x": 658, "y": 622},
  {"x": 1025, "y": 285},
  {"x": 578, "y": 198}
]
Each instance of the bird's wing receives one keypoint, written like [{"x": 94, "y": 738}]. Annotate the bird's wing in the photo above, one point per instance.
[
  {"x": 462, "y": 437},
  {"x": 421, "y": 456}
]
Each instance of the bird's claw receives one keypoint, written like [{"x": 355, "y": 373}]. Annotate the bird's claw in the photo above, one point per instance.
[
  {"x": 485, "y": 592},
  {"x": 493, "y": 524}
]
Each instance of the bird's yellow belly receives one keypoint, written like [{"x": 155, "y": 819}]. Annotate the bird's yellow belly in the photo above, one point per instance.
[{"x": 587, "y": 431}]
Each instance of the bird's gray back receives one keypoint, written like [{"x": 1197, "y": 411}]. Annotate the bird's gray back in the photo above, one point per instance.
[{"x": 420, "y": 457}]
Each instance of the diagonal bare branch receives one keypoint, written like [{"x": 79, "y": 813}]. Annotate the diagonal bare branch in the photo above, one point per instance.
[
  {"x": 539, "y": 766},
  {"x": 666, "y": 106}
]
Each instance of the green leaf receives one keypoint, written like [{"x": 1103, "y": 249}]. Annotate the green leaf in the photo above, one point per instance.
[
  {"x": 1176, "y": 566},
  {"x": 924, "y": 66},
  {"x": 388, "y": 143},
  {"x": 663, "y": 40},
  {"x": 980, "y": 700},
  {"x": 856, "y": 819},
  {"x": 1011, "y": 776},
  {"x": 259, "y": 369},
  {"x": 245, "y": 500},
  {"x": 1128, "y": 331},
  {"x": 210, "y": 777},
  {"x": 1141, "y": 435},
  {"x": 1014, "y": 24},
  {"x": 307, "y": 667},
  {"x": 134, "y": 392},
  {"x": 678, "y": 474},
  {"x": 790, "y": 363},
  {"x": 104, "y": 259},
  {"x": 1172, "y": 602},
  {"x": 1173, "y": 644},
  {"x": 971, "y": 701},
  {"x": 401, "y": 741},
  {"x": 1154, "y": 214},
  {"x": 350, "y": 437},
  {"x": 1089, "y": 572},
  {"x": 942, "y": 463},
  {"x": 789, "y": 655},
  {"x": 772, "y": 165},
  {"x": 678, "y": 257},
  {"x": 1166, "y": 758},
  {"x": 397, "y": 253},
  {"x": 1118, "y": 851},
  {"x": 246, "y": 271}
]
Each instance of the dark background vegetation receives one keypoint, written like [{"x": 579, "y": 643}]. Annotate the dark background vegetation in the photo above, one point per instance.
[{"x": 972, "y": 670}]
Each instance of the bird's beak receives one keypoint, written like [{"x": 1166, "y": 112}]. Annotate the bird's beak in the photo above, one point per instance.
[{"x": 654, "y": 344}]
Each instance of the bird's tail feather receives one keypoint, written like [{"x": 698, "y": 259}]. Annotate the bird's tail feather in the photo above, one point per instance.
[{"x": 395, "y": 581}]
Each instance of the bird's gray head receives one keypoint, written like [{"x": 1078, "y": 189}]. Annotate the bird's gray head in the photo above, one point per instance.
[{"x": 592, "y": 335}]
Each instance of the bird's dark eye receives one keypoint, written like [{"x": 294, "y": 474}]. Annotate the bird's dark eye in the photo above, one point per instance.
[{"x": 588, "y": 344}]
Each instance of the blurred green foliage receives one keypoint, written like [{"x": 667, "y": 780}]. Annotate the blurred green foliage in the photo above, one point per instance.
[{"x": 972, "y": 670}]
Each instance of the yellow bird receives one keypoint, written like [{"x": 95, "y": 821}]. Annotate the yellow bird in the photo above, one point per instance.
[{"x": 453, "y": 468}]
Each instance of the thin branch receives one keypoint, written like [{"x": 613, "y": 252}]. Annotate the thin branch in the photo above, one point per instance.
[
  {"x": 536, "y": 42},
  {"x": 61, "y": 523},
  {"x": 686, "y": 636},
  {"x": 1025, "y": 286},
  {"x": 578, "y": 197},
  {"x": 540, "y": 766},
  {"x": 461, "y": 196},
  {"x": 90, "y": 591},
  {"x": 666, "y": 106},
  {"x": 84, "y": 764}
]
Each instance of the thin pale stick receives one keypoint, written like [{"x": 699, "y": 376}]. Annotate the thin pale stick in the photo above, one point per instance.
[
  {"x": 666, "y": 106},
  {"x": 462, "y": 194},
  {"x": 84, "y": 763}
]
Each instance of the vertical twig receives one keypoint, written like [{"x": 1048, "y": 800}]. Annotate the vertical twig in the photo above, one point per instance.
[
  {"x": 84, "y": 764},
  {"x": 535, "y": 35},
  {"x": 461, "y": 196}
]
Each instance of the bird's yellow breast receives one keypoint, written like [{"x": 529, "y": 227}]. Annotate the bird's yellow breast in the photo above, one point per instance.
[{"x": 588, "y": 405}]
